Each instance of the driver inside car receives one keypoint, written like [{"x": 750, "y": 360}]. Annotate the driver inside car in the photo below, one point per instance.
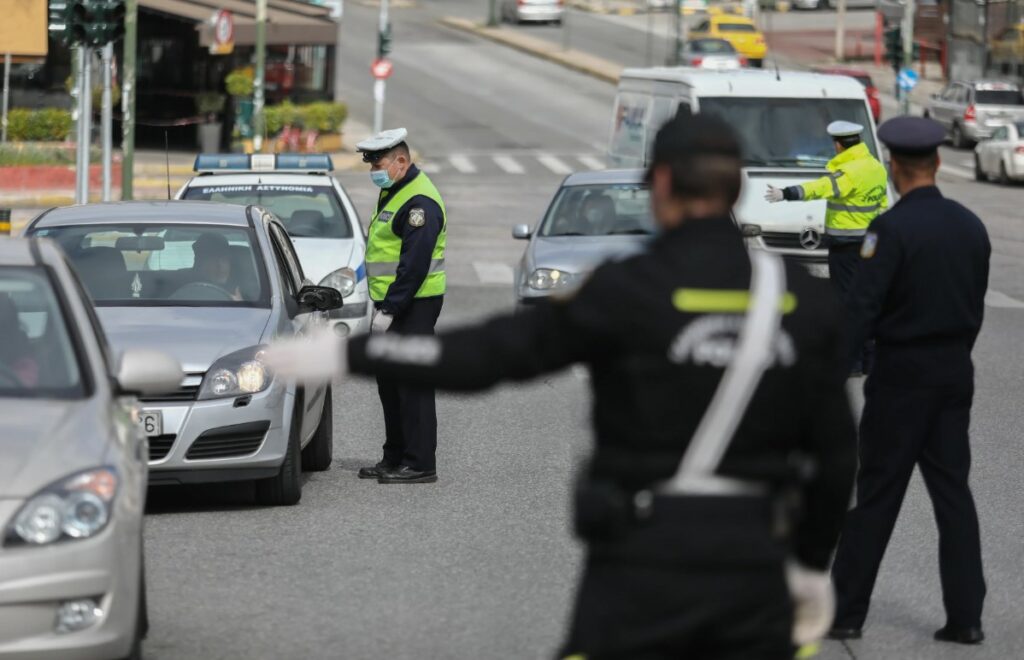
[
  {"x": 17, "y": 361},
  {"x": 212, "y": 264}
]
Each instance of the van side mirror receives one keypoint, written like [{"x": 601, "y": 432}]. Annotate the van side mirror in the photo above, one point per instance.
[{"x": 521, "y": 232}]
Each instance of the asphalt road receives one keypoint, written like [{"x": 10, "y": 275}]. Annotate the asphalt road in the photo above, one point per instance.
[{"x": 481, "y": 564}]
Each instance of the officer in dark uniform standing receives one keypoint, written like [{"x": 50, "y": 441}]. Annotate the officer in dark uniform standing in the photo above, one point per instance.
[
  {"x": 718, "y": 377},
  {"x": 920, "y": 293},
  {"x": 405, "y": 273}
]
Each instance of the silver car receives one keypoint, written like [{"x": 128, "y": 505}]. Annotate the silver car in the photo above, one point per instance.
[
  {"x": 712, "y": 53},
  {"x": 1001, "y": 157},
  {"x": 72, "y": 468},
  {"x": 594, "y": 216},
  {"x": 971, "y": 111},
  {"x": 532, "y": 11},
  {"x": 211, "y": 284}
]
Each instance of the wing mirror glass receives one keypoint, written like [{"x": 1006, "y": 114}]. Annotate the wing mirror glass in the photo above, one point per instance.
[
  {"x": 521, "y": 232},
  {"x": 313, "y": 298}
]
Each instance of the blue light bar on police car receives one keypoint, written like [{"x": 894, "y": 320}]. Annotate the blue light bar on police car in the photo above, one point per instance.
[{"x": 263, "y": 163}]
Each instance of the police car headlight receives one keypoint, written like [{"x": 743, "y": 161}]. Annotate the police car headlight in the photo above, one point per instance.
[
  {"x": 545, "y": 279},
  {"x": 76, "y": 507},
  {"x": 343, "y": 280},
  {"x": 237, "y": 374}
]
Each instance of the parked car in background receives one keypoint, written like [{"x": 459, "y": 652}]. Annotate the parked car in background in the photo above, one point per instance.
[
  {"x": 739, "y": 31},
  {"x": 864, "y": 78},
  {"x": 971, "y": 111},
  {"x": 594, "y": 216},
  {"x": 72, "y": 467},
  {"x": 1001, "y": 157},
  {"x": 532, "y": 11},
  {"x": 212, "y": 284},
  {"x": 832, "y": 4},
  {"x": 711, "y": 53}
]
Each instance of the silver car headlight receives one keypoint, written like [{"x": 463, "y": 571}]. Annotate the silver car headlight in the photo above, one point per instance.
[
  {"x": 237, "y": 374},
  {"x": 76, "y": 507},
  {"x": 546, "y": 279},
  {"x": 343, "y": 280}
]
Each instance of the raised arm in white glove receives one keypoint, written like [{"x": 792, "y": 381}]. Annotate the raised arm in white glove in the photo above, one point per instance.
[
  {"x": 316, "y": 357},
  {"x": 814, "y": 602},
  {"x": 380, "y": 322},
  {"x": 774, "y": 194}
]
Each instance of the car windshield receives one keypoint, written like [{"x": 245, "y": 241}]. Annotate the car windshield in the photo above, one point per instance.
[
  {"x": 736, "y": 27},
  {"x": 599, "y": 210},
  {"x": 788, "y": 132},
  {"x": 165, "y": 265},
  {"x": 306, "y": 211},
  {"x": 998, "y": 97},
  {"x": 37, "y": 358},
  {"x": 712, "y": 46}
]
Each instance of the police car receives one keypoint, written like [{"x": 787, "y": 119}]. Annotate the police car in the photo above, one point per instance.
[{"x": 314, "y": 209}]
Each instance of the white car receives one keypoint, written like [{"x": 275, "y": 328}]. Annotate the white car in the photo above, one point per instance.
[
  {"x": 1001, "y": 157},
  {"x": 313, "y": 207}
]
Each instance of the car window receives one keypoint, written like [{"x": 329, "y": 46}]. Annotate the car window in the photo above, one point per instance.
[
  {"x": 1020, "y": 128},
  {"x": 154, "y": 264},
  {"x": 949, "y": 94},
  {"x": 999, "y": 97},
  {"x": 712, "y": 46},
  {"x": 94, "y": 321},
  {"x": 599, "y": 210},
  {"x": 37, "y": 356},
  {"x": 736, "y": 27},
  {"x": 631, "y": 112},
  {"x": 306, "y": 211},
  {"x": 661, "y": 112},
  {"x": 291, "y": 261},
  {"x": 1000, "y": 133},
  {"x": 704, "y": 26}
]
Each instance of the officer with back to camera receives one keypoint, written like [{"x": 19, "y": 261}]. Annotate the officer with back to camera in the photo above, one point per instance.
[{"x": 718, "y": 388}]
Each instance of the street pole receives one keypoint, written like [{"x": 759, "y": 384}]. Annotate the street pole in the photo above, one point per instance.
[
  {"x": 84, "y": 124},
  {"x": 492, "y": 13},
  {"x": 650, "y": 38},
  {"x": 337, "y": 12},
  {"x": 258, "y": 81},
  {"x": 678, "y": 50},
  {"x": 7, "y": 96},
  {"x": 131, "y": 14},
  {"x": 841, "y": 31},
  {"x": 106, "y": 128},
  {"x": 908, "y": 50},
  {"x": 379, "y": 85}
]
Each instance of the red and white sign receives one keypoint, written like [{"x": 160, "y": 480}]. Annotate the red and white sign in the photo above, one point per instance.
[
  {"x": 223, "y": 33},
  {"x": 382, "y": 69}
]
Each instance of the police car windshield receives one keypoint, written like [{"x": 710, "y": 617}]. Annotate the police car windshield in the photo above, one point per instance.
[
  {"x": 788, "y": 132},
  {"x": 306, "y": 211},
  {"x": 599, "y": 210}
]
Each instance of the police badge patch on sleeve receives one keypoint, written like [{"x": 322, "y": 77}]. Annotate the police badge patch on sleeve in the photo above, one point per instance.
[
  {"x": 867, "y": 248},
  {"x": 417, "y": 217}
]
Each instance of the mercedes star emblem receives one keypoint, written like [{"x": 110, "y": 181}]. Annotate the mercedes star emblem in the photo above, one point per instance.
[{"x": 810, "y": 239}]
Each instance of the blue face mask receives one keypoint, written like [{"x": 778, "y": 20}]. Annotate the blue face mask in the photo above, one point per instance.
[{"x": 381, "y": 179}]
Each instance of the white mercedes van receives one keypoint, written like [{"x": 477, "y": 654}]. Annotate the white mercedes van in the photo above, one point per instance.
[{"x": 781, "y": 119}]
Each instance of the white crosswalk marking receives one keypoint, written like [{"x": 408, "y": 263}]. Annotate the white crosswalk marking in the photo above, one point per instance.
[
  {"x": 463, "y": 164},
  {"x": 591, "y": 162},
  {"x": 429, "y": 168},
  {"x": 554, "y": 164},
  {"x": 509, "y": 165},
  {"x": 493, "y": 273}
]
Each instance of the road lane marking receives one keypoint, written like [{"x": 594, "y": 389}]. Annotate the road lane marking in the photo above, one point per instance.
[
  {"x": 554, "y": 164},
  {"x": 1000, "y": 299},
  {"x": 953, "y": 170},
  {"x": 590, "y": 162},
  {"x": 509, "y": 165},
  {"x": 489, "y": 272},
  {"x": 462, "y": 164}
]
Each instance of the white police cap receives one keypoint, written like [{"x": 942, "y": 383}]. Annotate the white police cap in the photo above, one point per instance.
[
  {"x": 841, "y": 129},
  {"x": 383, "y": 141}
]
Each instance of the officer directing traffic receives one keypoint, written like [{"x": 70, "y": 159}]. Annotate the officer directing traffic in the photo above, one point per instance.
[
  {"x": 856, "y": 190},
  {"x": 405, "y": 272},
  {"x": 718, "y": 381},
  {"x": 920, "y": 293}
]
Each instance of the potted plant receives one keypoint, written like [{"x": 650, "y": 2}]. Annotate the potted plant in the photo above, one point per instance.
[
  {"x": 209, "y": 105},
  {"x": 239, "y": 84}
]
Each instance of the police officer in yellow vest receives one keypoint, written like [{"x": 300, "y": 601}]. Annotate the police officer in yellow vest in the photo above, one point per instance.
[
  {"x": 856, "y": 190},
  {"x": 406, "y": 276}
]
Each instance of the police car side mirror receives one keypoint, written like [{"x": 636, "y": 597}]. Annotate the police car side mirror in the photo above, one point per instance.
[
  {"x": 521, "y": 232},
  {"x": 313, "y": 298}
]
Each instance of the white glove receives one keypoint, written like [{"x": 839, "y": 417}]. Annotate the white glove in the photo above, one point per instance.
[
  {"x": 319, "y": 356},
  {"x": 774, "y": 194},
  {"x": 380, "y": 322},
  {"x": 814, "y": 602}
]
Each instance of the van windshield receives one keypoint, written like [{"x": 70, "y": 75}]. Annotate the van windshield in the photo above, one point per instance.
[{"x": 788, "y": 132}]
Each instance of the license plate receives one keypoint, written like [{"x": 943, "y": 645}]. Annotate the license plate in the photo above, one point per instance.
[
  {"x": 152, "y": 422},
  {"x": 818, "y": 270}
]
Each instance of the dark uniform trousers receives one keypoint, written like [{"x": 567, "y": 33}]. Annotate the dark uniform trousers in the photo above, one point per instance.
[
  {"x": 843, "y": 261},
  {"x": 410, "y": 414},
  {"x": 902, "y": 427}
]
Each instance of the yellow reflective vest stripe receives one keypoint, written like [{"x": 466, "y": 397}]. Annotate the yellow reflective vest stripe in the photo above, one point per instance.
[
  {"x": 856, "y": 188},
  {"x": 384, "y": 247}
]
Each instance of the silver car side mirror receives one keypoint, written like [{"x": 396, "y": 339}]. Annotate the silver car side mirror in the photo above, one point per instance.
[
  {"x": 144, "y": 371},
  {"x": 521, "y": 232}
]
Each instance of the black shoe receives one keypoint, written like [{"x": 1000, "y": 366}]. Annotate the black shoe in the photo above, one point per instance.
[
  {"x": 841, "y": 634},
  {"x": 407, "y": 475},
  {"x": 971, "y": 635},
  {"x": 376, "y": 471}
]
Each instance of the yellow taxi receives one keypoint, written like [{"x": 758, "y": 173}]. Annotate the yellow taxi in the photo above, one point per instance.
[{"x": 739, "y": 31}]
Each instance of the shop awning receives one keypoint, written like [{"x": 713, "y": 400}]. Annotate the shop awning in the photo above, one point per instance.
[{"x": 289, "y": 22}]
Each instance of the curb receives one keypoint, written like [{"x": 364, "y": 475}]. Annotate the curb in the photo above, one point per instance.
[
  {"x": 603, "y": 8},
  {"x": 579, "y": 61}
]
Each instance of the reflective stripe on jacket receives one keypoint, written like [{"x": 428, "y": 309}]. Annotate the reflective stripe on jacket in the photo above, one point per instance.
[{"x": 856, "y": 190}]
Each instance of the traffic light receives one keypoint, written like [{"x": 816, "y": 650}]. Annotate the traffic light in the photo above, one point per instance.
[
  {"x": 76, "y": 22},
  {"x": 107, "y": 23},
  {"x": 89, "y": 22},
  {"x": 894, "y": 47},
  {"x": 384, "y": 42},
  {"x": 55, "y": 23}
]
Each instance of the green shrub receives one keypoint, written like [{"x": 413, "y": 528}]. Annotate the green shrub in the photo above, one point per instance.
[
  {"x": 31, "y": 154},
  {"x": 210, "y": 104},
  {"x": 276, "y": 117},
  {"x": 240, "y": 81},
  {"x": 44, "y": 125},
  {"x": 324, "y": 116}
]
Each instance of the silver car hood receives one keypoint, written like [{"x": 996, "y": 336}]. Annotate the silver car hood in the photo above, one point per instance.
[
  {"x": 43, "y": 440},
  {"x": 322, "y": 256},
  {"x": 195, "y": 336},
  {"x": 581, "y": 254}
]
